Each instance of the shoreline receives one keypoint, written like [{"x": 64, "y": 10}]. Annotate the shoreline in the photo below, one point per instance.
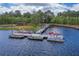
[
  {"x": 21, "y": 27},
  {"x": 32, "y": 27},
  {"x": 68, "y": 26}
]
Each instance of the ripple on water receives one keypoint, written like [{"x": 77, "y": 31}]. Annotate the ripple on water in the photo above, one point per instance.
[{"x": 33, "y": 48}]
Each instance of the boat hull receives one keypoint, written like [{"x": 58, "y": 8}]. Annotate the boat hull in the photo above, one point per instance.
[{"x": 16, "y": 37}]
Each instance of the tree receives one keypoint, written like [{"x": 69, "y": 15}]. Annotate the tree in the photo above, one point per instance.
[
  {"x": 48, "y": 16},
  {"x": 28, "y": 15},
  {"x": 17, "y": 13}
]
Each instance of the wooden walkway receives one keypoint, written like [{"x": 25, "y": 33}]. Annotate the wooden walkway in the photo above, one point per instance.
[{"x": 43, "y": 29}]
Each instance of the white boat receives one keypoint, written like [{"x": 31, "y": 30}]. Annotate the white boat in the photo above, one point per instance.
[
  {"x": 22, "y": 33},
  {"x": 16, "y": 36},
  {"x": 56, "y": 37},
  {"x": 37, "y": 37}
]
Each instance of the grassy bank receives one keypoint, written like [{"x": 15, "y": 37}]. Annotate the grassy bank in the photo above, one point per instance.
[{"x": 14, "y": 27}]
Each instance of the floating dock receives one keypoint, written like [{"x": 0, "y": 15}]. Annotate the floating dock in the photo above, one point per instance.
[
  {"x": 58, "y": 38},
  {"x": 38, "y": 35}
]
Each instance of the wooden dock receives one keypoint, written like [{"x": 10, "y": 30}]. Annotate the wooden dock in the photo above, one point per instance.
[
  {"x": 43, "y": 29},
  {"x": 38, "y": 35}
]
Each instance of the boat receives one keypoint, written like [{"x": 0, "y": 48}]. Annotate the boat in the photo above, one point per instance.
[
  {"x": 16, "y": 36},
  {"x": 22, "y": 33},
  {"x": 36, "y": 37},
  {"x": 55, "y": 37}
]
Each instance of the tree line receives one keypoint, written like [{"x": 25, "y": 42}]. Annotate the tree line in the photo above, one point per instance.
[{"x": 67, "y": 17}]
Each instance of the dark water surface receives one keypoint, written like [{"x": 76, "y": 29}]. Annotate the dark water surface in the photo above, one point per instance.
[{"x": 26, "y": 47}]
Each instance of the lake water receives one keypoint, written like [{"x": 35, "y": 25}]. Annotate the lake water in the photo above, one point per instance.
[{"x": 26, "y": 47}]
